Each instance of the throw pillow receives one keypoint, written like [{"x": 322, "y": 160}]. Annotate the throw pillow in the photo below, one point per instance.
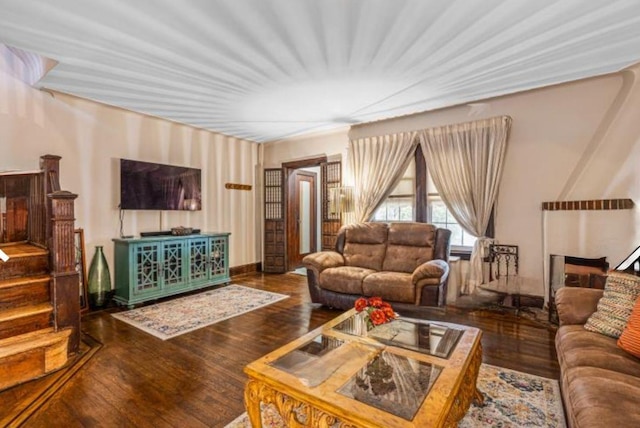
[
  {"x": 616, "y": 304},
  {"x": 630, "y": 337}
]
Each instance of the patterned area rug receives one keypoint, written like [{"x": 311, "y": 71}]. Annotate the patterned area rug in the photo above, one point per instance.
[
  {"x": 173, "y": 318},
  {"x": 512, "y": 399}
]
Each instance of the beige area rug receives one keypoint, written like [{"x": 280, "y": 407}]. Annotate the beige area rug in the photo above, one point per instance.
[
  {"x": 512, "y": 399},
  {"x": 178, "y": 316}
]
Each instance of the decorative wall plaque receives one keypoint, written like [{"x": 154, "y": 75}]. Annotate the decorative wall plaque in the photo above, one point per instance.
[{"x": 234, "y": 186}]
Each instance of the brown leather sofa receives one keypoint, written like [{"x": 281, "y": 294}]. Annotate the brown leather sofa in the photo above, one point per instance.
[
  {"x": 600, "y": 382},
  {"x": 404, "y": 263}
]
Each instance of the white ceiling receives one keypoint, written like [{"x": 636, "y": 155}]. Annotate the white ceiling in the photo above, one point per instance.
[{"x": 270, "y": 69}]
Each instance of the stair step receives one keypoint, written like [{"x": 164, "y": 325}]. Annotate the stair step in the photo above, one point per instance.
[
  {"x": 25, "y": 319},
  {"x": 16, "y": 282},
  {"x": 17, "y": 292},
  {"x": 23, "y": 249},
  {"x": 24, "y": 260},
  {"x": 31, "y": 355},
  {"x": 24, "y": 312}
]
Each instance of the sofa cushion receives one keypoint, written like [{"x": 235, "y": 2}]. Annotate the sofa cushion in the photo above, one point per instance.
[
  {"x": 576, "y": 304},
  {"x": 344, "y": 279},
  {"x": 578, "y": 347},
  {"x": 431, "y": 270},
  {"x": 392, "y": 286},
  {"x": 596, "y": 397},
  {"x": 630, "y": 337},
  {"x": 409, "y": 245},
  {"x": 323, "y": 260},
  {"x": 365, "y": 245},
  {"x": 616, "y": 304}
]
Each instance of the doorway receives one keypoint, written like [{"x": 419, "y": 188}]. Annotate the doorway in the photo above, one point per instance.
[
  {"x": 284, "y": 248},
  {"x": 302, "y": 224}
]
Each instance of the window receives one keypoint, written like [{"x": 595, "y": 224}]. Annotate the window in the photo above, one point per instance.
[
  {"x": 400, "y": 204},
  {"x": 440, "y": 216},
  {"x": 395, "y": 208}
]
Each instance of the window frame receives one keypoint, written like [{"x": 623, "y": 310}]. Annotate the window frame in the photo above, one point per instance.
[
  {"x": 457, "y": 249},
  {"x": 391, "y": 198},
  {"x": 421, "y": 203}
]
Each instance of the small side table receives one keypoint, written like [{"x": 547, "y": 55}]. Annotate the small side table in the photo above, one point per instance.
[{"x": 516, "y": 288}]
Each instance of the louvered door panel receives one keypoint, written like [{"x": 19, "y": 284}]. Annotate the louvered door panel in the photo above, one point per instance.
[
  {"x": 274, "y": 233},
  {"x": 331, "y": 222}
]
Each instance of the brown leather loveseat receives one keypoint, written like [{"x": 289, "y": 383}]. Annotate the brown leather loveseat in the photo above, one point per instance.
[{"x": 404, "y": 263}]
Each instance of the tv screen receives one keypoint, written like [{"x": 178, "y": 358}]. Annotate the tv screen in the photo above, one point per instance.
[{"x": 153, "y": 186}]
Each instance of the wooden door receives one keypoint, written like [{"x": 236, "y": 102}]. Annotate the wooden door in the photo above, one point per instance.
[
  {"x": 302, "y": 218},
  {"x": 331, "y": 222},
  {"x": 274, "y": 249}
]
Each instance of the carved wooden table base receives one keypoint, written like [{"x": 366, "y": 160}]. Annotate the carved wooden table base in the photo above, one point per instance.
[
  {"x": 321, "y": 404},
  {"x": 294, "y": 413},
  {"x": 298, "y": 414},
  {"x": 468, "y": 391}
]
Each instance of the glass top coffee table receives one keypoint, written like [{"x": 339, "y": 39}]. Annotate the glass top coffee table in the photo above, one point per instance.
[{"x": 406, "y": 373}]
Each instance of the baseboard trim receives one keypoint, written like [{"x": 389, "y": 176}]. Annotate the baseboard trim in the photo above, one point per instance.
[{"x": 243, "y": 269}]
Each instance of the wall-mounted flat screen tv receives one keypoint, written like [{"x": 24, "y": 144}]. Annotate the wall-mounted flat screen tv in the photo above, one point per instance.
[{"x": 153, "y": 186}]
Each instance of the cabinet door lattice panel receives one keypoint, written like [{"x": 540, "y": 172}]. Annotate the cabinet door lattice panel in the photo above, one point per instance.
[
  {"x": 146, "y": 267},
  {"x": 218, "y": 262},
  {"x": 172, "y": 268},
  {"x": 153, "y": 267},
  {"x": 199, "y": 259}
]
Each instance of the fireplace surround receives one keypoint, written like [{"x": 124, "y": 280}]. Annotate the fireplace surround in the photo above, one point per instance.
[{"x": 570, "y": 271}]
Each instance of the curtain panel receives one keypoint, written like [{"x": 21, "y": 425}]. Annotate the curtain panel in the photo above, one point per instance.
[
  {"x": 465, "y": 161},
  {"x": 377, "y": 165}
]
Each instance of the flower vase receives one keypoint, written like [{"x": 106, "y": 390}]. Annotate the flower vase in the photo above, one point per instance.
[{"x": 99, "y": 280}]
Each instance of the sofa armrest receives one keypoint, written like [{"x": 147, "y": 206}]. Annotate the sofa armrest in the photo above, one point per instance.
[
  {"x": 438, "y": 269},
  {"x": 575, "y": 304},
  {"x": 323, "y": 260}
]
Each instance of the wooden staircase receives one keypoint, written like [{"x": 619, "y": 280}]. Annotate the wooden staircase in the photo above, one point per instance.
[
  {"x": 39, "y": 294},
  {"x": 29, "y": 345}
]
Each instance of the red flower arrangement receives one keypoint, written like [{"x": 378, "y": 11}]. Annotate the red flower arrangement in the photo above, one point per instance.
[{"x": 376, "y": 310}]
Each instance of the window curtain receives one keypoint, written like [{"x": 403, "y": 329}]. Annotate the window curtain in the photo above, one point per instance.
[
  {"x": 377, "y": 165},
  {"x": 465, "y": 162}
]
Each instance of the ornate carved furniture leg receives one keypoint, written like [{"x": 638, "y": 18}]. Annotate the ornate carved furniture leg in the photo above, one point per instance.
[
  {"x": 468, "y": 390},
  {"x": 252, "y": 403}
]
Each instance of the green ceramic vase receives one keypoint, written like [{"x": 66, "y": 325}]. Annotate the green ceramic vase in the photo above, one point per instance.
[{"x": 99, "y": 280}]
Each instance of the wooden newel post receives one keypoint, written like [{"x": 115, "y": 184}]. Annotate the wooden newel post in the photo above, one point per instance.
[
  {"x": 50, "y": 165},
  {"x": 65, "y": 281}
]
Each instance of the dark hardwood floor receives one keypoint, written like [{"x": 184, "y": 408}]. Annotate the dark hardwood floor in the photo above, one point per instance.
[{"x": 196, "y": 380}]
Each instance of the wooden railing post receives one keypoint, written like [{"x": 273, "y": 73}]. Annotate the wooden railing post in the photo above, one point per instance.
[
  {"x": 65, "y": 281},
  {"x": 50, "y": 166}
]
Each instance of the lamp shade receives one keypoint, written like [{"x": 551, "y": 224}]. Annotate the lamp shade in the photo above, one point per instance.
[{"x": 341, "y": 200}]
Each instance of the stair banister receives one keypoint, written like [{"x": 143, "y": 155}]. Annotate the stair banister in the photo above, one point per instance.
[{"x": 65, "y": 280}]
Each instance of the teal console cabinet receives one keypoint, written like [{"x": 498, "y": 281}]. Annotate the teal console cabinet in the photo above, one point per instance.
[{"x": 153, "y": 267}]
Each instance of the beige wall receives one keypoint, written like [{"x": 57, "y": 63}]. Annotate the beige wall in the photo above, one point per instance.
[
  {"x": 331, "y": 144},
  {"x": 570, "y": 141},
  {"x": 91, "y": 138},
  {"x": 579, "y": 140}
]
